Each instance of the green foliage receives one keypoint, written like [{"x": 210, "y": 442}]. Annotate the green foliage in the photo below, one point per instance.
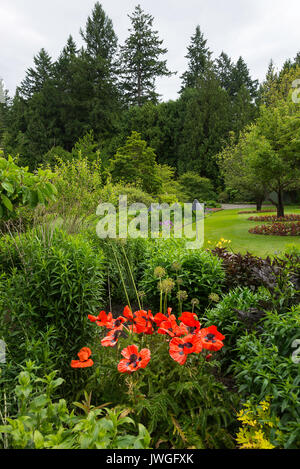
[
  {"x": 135, "y": 163},
  {"x": 18, "y": 188},
  {"x": 231, "y": 323},
  {"x": 258, "y": 426},
  {"x": 43, "y": 423},
  {"x": 53, "y": 280},
  {"x": 111, "y": 193},
  {"x": 195, "y": 187},
  {"x": 198, "y": 272},
  {"x": 79, "y": 183},
  {"x": 55, "y": 154},
  {"x": 265, "y": 367},
  {"x": 87, "y": 148}
]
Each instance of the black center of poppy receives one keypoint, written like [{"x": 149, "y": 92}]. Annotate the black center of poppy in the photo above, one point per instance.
[
  {"x": 187, "y": 345},
  {"x": 133, "y": 359},
  {"x": 118, "y": 323},
  {"x": 116, "y": 335},
  {"x": 210, "y": 338}
]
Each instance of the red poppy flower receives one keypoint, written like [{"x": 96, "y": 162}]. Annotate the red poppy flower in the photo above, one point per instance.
[
  {"x": 112, "y": 337},
  {"x": 103, "y": 319},
  {"x": 171, "y": 328},
  {"x": 180, "y": 348},
  {"x": 118, "y": 323},
  {"x": 84, "y": 359},
  {"x": 212, "y": 339},
  {"x": 144, "y": 322},
  {"x": 133, "y": 359},
  {"x": 191, "y": 320},
  {"x": 159, "y": 318},
  {"x": 127, "y": 313}
]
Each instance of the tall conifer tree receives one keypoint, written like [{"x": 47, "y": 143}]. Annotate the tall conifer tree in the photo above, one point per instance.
[
  {"x": 199, "y": 57},
  {"x": 140, "y": 59}
]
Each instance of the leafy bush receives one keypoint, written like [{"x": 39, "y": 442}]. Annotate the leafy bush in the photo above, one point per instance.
[
  {"x": 51, "y": 279},
  {"x": 258, "y": 426},
  {"x": 266, "y": 368},
  {"x": 196, "y": 187},
  {"x": 18, "y": 187},
  {"x": 111, "y": 193},
  {"x": 197, "y": 272},
  {"x": 42, "y": 423},
  {"x": 240, "y": 310},
  {"x": 246, "y": 270},
  {"x": 79, "y": 183}
]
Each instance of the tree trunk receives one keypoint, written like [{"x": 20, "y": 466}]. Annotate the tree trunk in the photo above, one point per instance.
[
  {"x": 259, "y": 203},
  {"x": 280, "y": 205}
]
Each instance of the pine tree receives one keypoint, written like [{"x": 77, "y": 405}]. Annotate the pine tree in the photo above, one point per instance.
[
  {"x": 241, "y": 77},
  {"x": 224, "y": 68},
  {"x": 36, "y": 77},
  {"x": 297, "y": 59},
  {"x": 268, "y": 89},
  {"x": 140, "y": 60},
  {"x": 99, "y": 36},
  {"x": 3, "y": 111},
  {"x": 199, "y": 60},
  {"x": 95, "y": 75}
]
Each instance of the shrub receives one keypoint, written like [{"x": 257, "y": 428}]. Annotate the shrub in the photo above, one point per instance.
[
  {"x": 195, "y": 187},
  {"x": 52, "y": 279},
  {"x": 18, "y": 188},
  {"x": 246, "y": 270},
  {"x": 265, "y": 367},
  {"x": 196, "y": 271},
  {"x": 42, "y": 423},
  {"x": 79, "y": 183},
  {"x": 111, "y": 193},
  {"x": 240, "y": 310}
]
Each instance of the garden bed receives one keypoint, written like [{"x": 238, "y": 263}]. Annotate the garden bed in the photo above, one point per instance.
[
  {"x": 274, "y": 218},
  {"x": 277, "y": 229}
]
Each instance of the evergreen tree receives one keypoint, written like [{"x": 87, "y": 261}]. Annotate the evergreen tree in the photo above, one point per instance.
[
  {"x": 268, "y": 88},
  {"x": 3, "y": 111},
  {"x": 99, "y": 36},
  {"x": 95, "y": 74},
  {"x": 36, "y": 77},
  {"x": 224, "y": 69},
  {"x": 199, "y": 60},
  {"x": 297, "y": 59},
  {"x": 140, "y": 60},
  {"x": 205, "y": 120},
  {"x": 241, "y": 77}
]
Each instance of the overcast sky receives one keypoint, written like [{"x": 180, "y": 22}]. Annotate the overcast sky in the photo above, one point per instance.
[{"x": 256, "y": 29}]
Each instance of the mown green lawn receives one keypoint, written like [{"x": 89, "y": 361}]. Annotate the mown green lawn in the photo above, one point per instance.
[{"x": 229, "y": 225}]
